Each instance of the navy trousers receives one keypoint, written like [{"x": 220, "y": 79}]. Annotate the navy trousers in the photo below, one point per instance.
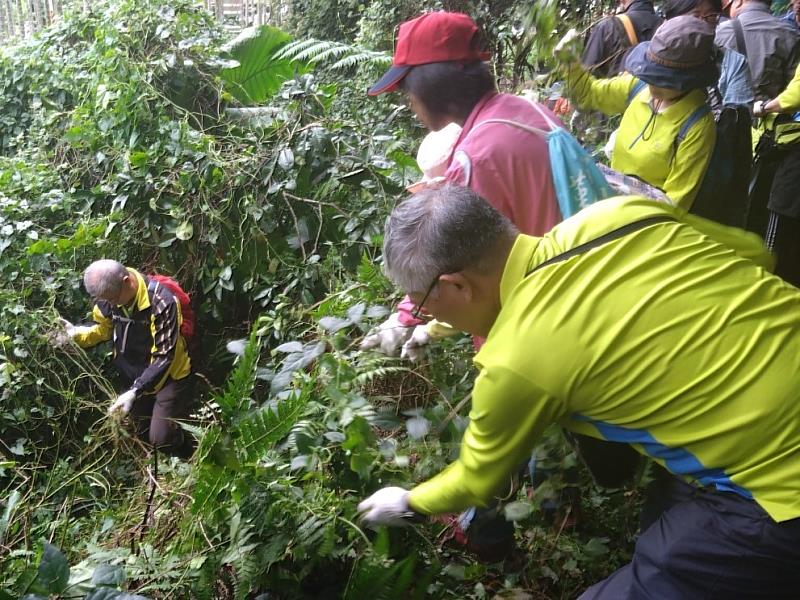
[{"x": 711, "y": 545}]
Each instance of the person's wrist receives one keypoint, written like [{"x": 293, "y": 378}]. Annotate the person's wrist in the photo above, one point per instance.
[{"x": 412, "y": 514}]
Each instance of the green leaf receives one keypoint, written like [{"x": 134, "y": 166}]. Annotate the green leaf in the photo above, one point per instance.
[
  {"x": 359, "y": 435},
  {"x": 11, "y": 503},
  {"x": 261, "y": 429},
  {"x": 185, "y": 231},
  {"x": 334, "y": 324},
  {"x": 138, "y": 159},
  {"x": 516, "y": 511},
  {"x": 53, "y": 573},
  {"x": 108, "y": 575},
  {"x": 260, "y": 73},
  {"x": 596, "y": 547}
]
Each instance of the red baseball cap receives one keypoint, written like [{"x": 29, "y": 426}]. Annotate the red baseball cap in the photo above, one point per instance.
[{"x": 433, "y": 37}]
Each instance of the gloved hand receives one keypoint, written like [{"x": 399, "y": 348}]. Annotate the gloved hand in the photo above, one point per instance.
[
  {"x": 563, "y": 107},
  {"x": 59, "y": 336},
  {"x": 388, "y": 337},
  {"x": 758, "y": 108},
  {"x": 387, "y": 506},
  {"x": 123, "y": 403},
  {"x": 414, "y": 348},
  {"x": 72, "y": 330},
  {"x": 566, "y": 49}
]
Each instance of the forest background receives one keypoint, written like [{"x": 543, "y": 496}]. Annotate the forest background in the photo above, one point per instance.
[{"x": 258, "y": 173}]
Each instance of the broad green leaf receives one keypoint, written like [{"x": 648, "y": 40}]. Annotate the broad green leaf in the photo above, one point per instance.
[
  {"x": 53, "y": 573},
  {"x": 259, "y": 74},
  {"x": 334, "y": 324},
  {"x": 11, "y": 503},
  {"x": 108, "y": 575},
  {"x": 185, "y": 231},
  {"x": 517, "y": 511},
  {"x": 290, "y": 347},
  {"x": 596, "y": 547}
]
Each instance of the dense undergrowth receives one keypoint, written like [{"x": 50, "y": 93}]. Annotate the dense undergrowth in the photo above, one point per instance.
[{"x": 122, "y": 135}]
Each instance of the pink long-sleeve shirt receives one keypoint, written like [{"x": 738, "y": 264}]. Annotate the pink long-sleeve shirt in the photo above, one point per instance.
[{"x": 506, "y": 165}]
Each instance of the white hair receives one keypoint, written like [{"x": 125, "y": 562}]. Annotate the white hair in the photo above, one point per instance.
[
  {"x": 440, "y": 231},
  {"x": 103, "y": 278}
]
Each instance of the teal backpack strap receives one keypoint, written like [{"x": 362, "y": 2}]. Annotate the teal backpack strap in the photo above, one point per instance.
[
  {"x": 697, "y": 114},
  {"x": 637, "y": 87}
]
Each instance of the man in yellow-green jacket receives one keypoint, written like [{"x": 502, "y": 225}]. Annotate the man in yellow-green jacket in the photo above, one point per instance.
[{"x": 631, "y": 322}]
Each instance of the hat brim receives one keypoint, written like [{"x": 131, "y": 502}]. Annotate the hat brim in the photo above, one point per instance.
[
  {"x": 683, "y": 80},
  {"x": 390, "y": 80}
]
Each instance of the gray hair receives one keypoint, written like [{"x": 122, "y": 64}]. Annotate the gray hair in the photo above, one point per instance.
[
  {"x": 440, "y": 231},
  {"x": 103, "y": 278}
]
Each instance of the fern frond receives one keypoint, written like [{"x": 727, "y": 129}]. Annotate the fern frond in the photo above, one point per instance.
[
  {"x": 303, "y": 433},
  {"x": 210, "y": 483},
  {"x": 264, "y": 427},
  {"x": 376, "y": 372},
  {"x": 372, "y": 58},
  {"x": 347, "y": 55},
  {"x": 240, "y": 384},
  {"x": 292, "y": 49}
]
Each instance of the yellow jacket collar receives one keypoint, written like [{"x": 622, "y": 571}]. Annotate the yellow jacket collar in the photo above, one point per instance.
[
  {"x": 517, "y": 264},
  {"x": 142, "y": 297}
]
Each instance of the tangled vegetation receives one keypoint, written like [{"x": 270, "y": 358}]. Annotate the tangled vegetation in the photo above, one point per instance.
[{"x": 137, "y": 130}]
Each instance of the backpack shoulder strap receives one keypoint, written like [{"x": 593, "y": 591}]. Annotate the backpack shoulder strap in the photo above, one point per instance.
[
  {"x": 693, "y": 118},
  {"x": 630, "y": 30},
  {"x": 741, "y": 41},
  {"x": 153, "y": 287},
  {"x": 603, "y": 239},
  {"x": 637, "y": 87}
]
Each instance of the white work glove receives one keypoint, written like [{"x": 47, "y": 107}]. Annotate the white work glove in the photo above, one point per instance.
[
  {"x": 123, "y": 403},
  {"x": 758, "y": 108},
  {"x": 72, "y": 330},
  {"x": 387, "y": 506},
  {"x": 566, "y": 49},
  {"x": 388, "y": 337},
  {"x": 414, "y": 348},
  {"x": 60, "y": 336}
]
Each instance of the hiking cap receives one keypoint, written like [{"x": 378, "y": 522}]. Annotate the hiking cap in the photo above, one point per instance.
[
  {"x": 433, "y": 37},
  {"x": 679, "y": 57}
]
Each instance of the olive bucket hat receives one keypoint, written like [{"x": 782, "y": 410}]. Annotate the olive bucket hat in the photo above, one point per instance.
[{"x": 679, "y": 57}]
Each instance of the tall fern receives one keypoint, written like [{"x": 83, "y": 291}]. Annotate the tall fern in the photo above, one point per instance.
[
  {"x": 342, "y": 55},
  {"x": 264, "y": 427},
  {"x": 239, "y": 389}
]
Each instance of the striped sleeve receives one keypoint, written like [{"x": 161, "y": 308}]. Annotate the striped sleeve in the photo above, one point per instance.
[{"x": 165, "y": 330}]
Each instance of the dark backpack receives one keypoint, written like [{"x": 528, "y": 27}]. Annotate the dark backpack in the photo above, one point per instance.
[
  {"x": 188, "y": 324},
  {"x": 723, "y": 194}
]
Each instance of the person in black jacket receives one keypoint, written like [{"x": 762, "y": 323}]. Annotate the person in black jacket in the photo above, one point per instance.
[
  {"x": 142, "y": 319},
  {"x": 608, "y": 42}
]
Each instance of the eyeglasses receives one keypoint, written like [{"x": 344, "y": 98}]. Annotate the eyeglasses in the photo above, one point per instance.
[
  {"x": 417, "y": 312},
  {"x": 712, "y": 18}
]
